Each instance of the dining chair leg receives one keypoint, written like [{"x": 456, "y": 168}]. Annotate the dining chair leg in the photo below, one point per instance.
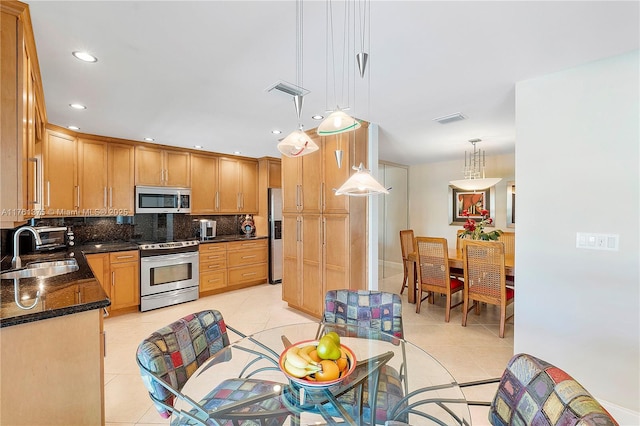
[
  {"x": 465, "y": 311},
  {"x": 419, "y": 300},
  {"x": 405, "y": 278},
  {"x": 447, "y": 311},
  {"x": 503, "y": 320}
]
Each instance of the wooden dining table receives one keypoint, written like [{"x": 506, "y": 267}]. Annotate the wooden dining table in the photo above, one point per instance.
[{"x": 455, "y": 262}]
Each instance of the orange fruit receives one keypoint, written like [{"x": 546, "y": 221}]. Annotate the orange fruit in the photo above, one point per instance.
[
  {"x": 342, "y": 362},
  {"x": 330, "y": 371},
  {"x": 314, "y": 356}
]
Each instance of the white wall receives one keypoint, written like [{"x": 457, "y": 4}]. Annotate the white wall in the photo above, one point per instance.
[
  {"x": 577, "y": 156},
  {"x": 429, "y": 193}
]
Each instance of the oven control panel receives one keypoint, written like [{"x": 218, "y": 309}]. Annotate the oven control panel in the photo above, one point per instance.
[{"x": 169, "y": 246}]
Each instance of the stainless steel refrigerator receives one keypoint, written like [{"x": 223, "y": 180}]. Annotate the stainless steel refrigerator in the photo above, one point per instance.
[{"x": 275, "y": 235}]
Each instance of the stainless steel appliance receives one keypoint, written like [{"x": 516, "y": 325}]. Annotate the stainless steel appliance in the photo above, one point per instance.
[
  {"x": 53, "y": 238},
  {"x": 207, "y": 229},
  {"x": 275, "y": 235},
  {"x": 168, "y": 274},
  {"x": 162, "y": 199}
]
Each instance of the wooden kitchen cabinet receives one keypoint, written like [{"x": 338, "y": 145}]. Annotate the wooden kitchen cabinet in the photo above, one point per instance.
[
  {"x": 162, "y": 167},
  {"x": 22, "y": 114},
  {"x": 324, "y": 235},
  {"x": 213, "y": 267},
  {"x": 238, "y": 185},
  {"x": 302, "y": 262},
  {"x": 61, "y": 192},
  {"x": 105, "y": 178},
  {"x": 247, "y": 262},
  {"x": 204, "y": 187},
  {"x": 53, "y": 371},
  {"x": 302, "y": 182},
  {"x": 119, "y": 276}
]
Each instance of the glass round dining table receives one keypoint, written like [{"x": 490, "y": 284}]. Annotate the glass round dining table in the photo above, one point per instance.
[{"x": 243, "y": 384}]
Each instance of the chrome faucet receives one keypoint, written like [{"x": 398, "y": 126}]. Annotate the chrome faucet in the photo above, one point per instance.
[{"x": 16, "y": 263}]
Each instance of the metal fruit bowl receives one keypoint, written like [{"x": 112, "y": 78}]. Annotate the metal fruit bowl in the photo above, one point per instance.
[{"x": 351, "y": 360}]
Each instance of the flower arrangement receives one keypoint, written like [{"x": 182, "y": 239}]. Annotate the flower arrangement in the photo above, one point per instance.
[{"x": 476, "y": 229}]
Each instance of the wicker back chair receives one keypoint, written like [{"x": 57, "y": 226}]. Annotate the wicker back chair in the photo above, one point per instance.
[
  {"x": 485, "y": 279},
  {"x": 509, "y": 240},
  {"x": 460, "y": 238},
  {"x": 433, "y": 272},
  {"x": 406, "y": 245}
]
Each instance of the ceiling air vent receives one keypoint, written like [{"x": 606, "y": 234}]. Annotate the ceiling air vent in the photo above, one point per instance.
[
  {"x": 446, "y": 119},
  {"x": 287, "y": 89}
]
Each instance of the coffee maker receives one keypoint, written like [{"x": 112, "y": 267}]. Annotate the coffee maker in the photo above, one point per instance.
[{"x": 207, "y": 229}]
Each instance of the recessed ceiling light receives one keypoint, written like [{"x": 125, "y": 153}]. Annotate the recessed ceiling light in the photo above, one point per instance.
[
  {"x": 276, "y": 131},
  {"x": 237, "y": 152},
  {"x": 149, "y": 139},
  {"x": 77, "y": 106},
  {"x": 84, "y": 56},
  {"x": 318, "y": 117},
  {"x": 73, "y": 127},
  {"x": 198, "y": 146}
]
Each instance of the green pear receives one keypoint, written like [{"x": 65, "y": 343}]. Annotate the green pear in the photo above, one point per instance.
[
  {"x": 334, "y": 336},
  {"x": 327, "y": 348}
]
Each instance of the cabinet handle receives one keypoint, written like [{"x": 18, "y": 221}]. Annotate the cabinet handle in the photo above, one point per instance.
[
  {"x": 242, "y": 200},
  {"x": 35, "y": 180},
  {"x": 298, "y": 229},
  {"x": 246, "y": 274},
  {"x": 299, "y": 197},
  {"x": 111, "y": 196},
  {"x": 324, "y": 232},
  {"x": 213, "y": 280},
  {"x": 124, "y": 257},
  {"x": 105, "y": 196},
  {"x": 113, "y": 278},
  {"x": 249, "y": 257},
  {"x": 48, "y": 193},
  {"x": 217, "y": 265},
  {"x": 217, "y": 200},
  {"x": 322, "y": 207},
  {"x": 166, "y": 175},
  {"x": 78, "y": 196}
]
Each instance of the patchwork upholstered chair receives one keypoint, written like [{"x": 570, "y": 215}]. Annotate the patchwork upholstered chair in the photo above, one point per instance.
[
  {"x": 534, "y": 392},
  {"x": 382, "y": 312},
  {"x": 169, "y": 356}
]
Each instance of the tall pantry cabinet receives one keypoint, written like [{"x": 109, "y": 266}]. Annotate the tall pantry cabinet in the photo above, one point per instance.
[{"x": 324, "y": 235}]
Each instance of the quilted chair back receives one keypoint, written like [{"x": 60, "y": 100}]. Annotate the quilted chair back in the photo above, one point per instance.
[
  {"x": 377, "y": 310},
  {"x": 175, "y": 352},
  {"x": 534, "y": 392}
]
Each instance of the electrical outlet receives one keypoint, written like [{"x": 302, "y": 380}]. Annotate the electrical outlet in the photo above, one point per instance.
[{"x": 591, "y": 241}]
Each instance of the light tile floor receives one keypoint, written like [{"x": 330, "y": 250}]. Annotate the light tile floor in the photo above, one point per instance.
[{"x": 469, "y": 353}]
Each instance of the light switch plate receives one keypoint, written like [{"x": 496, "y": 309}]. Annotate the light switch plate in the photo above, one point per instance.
[{"x": 592, "y": 241}]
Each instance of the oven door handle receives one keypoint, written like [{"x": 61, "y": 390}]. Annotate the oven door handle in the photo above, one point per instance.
[{"x": 168, "y": 257}]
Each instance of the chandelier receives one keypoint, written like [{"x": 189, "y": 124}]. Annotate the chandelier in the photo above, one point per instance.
[{"x": 474, "y": 176}]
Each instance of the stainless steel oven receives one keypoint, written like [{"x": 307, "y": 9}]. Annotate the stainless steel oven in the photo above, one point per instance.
[{"x": 168, "y": 274}]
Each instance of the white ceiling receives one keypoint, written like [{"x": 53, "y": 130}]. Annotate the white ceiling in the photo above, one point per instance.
[{"x": 195, "y": 73}]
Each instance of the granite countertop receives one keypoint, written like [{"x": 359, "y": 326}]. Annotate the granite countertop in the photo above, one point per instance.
[
  {"x": 59, "y": 295},
  {"x": 67, "y": 293}
]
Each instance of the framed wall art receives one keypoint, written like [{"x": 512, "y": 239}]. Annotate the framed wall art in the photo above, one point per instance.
[
  {"x": 511, "y": 204},
  {"x": 472, "y": 201}
]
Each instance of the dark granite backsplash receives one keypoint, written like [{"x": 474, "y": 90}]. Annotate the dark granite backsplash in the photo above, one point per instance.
[{"x": 141, "y": 227}]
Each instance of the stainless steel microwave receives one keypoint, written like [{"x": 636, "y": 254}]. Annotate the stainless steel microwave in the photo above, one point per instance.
[{"x": 162, "y": 199}]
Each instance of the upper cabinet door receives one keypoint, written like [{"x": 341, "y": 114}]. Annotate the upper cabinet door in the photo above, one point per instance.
[
  {"x": 177, "y": 169},
  {"x": 291, "y": 180},
  {"x": 92, "y": 177},
  {"x": 312, "y": 181},
  {"x": 248, "y": 186},
  {"x": 61, "y": 193},
  {"x": 204, "y": 187},
  {"x": 120, "y": 176},
  {"x": 229, "y": 183},
  {"x": 149, "y": 166}
]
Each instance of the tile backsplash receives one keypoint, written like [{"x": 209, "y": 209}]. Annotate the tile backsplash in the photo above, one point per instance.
[{"x": 141, "y": 227}]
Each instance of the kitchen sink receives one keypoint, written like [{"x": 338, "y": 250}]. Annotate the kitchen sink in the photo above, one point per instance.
[{"x": 43, "y": 269}]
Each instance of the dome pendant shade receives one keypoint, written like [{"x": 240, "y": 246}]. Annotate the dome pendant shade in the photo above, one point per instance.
[
  {"x": 475, "y": 184},
  {"x": 361, "y": 184},
  {"x": 362, "y": 58},
  {"x": 297, "y": 144},
  {"x": 337, "y": 122}
]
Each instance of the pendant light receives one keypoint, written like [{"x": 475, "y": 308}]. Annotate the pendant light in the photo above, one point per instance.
[
  {"x": 338, "y": 121},
  {"x": 474, "y": 177},
  {"x": 361, "y": 184},
  {"x": 298, "y": 143}
]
